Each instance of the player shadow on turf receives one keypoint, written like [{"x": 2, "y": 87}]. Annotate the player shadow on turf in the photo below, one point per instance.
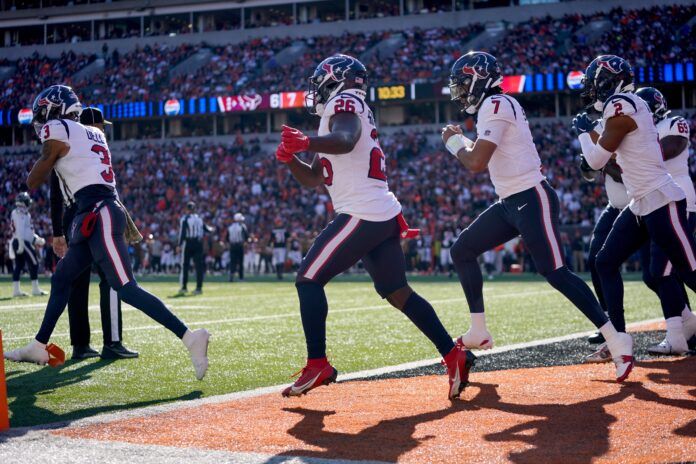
[
  {"x": 27, "y": 387},
  {"x": 580, "y": 429},
  {"x": 679, "y": 372},
  {"x": 384, "y": 442}
]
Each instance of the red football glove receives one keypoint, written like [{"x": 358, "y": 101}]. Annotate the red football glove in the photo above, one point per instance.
[
  {"x": 293, "y": 140},
  {"x": 283, "y": 156}
]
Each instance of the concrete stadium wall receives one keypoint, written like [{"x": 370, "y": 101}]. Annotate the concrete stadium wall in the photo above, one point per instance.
[{"x": 449, "y": 20}]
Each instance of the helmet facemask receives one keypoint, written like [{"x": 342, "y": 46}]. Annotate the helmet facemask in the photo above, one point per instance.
[
  {"x": 321, "y": 89},
  {"x": 460, "y": 91}
]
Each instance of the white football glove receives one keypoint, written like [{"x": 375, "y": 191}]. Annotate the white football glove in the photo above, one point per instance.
[{"x": 39, "y": 241}]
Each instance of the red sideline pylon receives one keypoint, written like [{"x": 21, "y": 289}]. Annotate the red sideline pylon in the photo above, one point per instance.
[{"x": 4, "y": 413}]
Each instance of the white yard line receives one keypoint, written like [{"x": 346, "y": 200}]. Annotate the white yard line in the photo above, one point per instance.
[{"x": 294, "y": 314}]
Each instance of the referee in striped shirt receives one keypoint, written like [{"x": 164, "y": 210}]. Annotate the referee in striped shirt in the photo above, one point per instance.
[
  {"x": 191, "y": 230},
  {"x": 237, "y": 235}
]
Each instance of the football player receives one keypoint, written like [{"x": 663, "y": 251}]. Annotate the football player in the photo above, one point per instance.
[
  {"x": 657, "y": 212},
  {"x": 82, "y": 162},
  {"x": 618, "y": 200},
  {"x": 63, "y": 210},
  {"x": 368, "y": 225},
  {"x": 528, "y": 206},
  {"x": 279, "y": 241},
  {"x": 674, "y": 140},
  {"x": 22, "y": 246}
]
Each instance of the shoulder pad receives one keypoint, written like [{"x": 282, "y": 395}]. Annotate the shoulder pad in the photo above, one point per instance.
[
  {"x": 677, "y": 126},
  {"x": 345, "y": 102},
  {"x": 619, "y": 105},
  {"x": 56, "y": 129},
  {"x": 498, "y": 107}
]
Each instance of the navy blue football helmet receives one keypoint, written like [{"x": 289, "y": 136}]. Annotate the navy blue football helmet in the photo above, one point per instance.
[
  {"x": 55, "y": 102},
  {"x": 604, "y": 77},
  {"x": 656, "y": 102},
  {"x": 333, "y": 75},
  {"x": 473, "y": 77}
]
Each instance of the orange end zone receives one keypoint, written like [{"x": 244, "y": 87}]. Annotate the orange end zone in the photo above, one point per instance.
[{"x": 556, "y": 414}]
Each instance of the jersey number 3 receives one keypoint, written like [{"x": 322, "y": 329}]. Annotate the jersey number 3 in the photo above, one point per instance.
[{"x": 103, "y": 152}]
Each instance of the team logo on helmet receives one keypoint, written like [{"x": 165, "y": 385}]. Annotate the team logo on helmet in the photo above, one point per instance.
[
  {"x": 336, "y": 68},
  {"x": 611, "y": 64},
  {"x": 479, "y": 69}
]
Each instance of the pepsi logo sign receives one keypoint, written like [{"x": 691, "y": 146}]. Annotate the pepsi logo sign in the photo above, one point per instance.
[
  {"x": 574, "y": 79},
  {"x": 25, "y": 116},
  {"x": 172, "y": 107}
]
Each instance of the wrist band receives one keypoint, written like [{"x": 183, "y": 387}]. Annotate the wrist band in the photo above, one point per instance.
[{"x": 456, "y": 143}]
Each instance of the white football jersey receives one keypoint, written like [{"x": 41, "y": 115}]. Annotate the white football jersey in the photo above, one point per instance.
[
  {"x": 357, "y": 181},
  {"x": 515, "y": 165},
  {"x": 22, "y": 227},
  {"x": 678, "y": 166},
  {"x": 616, "y": 191},
  {"x": 88, "y": 161},
  {"x": 640, "y": 157}
]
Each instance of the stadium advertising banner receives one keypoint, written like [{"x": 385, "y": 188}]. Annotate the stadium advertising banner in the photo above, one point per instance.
[{"x": 523, "y": 83}]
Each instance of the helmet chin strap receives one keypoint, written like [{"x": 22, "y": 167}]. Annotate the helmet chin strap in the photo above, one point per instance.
[{"x": 320, "y": 107}]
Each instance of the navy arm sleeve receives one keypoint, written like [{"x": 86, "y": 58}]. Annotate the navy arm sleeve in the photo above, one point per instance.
[{"x": 56, "y": 206}]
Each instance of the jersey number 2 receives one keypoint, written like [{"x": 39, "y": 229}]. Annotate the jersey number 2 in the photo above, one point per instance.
[{"x": 103, "y": 152}]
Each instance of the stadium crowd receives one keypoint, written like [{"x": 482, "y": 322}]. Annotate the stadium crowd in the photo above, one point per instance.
[
  {"x": 647, "y": 36},
  {"x": 156, "y": 180}
]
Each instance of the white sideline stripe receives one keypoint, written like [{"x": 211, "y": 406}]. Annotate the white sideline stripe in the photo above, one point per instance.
[
  {"x": 285, "y": 315},
  {"x": 365, "y": 374},
  {"x": 126, "y": 307}
]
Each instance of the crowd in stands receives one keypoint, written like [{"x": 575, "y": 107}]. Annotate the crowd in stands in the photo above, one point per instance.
[
  {"x": 438, "y": 196},
  {"x": 647, "y": 36}
]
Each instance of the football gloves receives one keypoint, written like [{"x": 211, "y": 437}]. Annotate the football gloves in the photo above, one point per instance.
[
  {"x": 589, "y": 174},
  {"x": 293, "y": 140},
  {"x": 283, "y": 156},
  {"x": 582, "y": 124}
]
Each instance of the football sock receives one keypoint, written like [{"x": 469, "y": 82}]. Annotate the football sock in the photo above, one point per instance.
[
  {"x": 674, "y": 326},
  {"x": 471, "y": 279},
  {"x": 35, "y": 286},
  {"x": 423, "y": 316},
  {"x": 686, "y": 314},
  {"x": 15, "y": 287},
  {"x": 478, "y": 321},
  {"x": 148, "y": 303},
  {"x": 577, "y": 291},
  {"x": 609, "y": 332},
  {"x": 313, "y": 310},
  {"x": 612, "y": 286},
  {"x": 675, "y": 334},
  {"x": 671, "y": 293}
]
